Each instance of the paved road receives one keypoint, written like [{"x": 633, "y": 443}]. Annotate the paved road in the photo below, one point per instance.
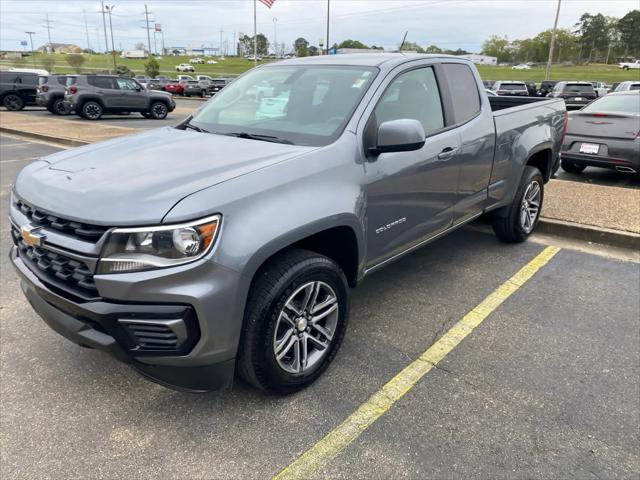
[
  {"x": 547, "y": 386},
  {"x": 601, "y": 176}
]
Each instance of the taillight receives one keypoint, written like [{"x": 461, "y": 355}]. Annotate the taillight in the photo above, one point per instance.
[
  {"x": 73, "y": 90},
  {"x": 565, "y": 126},
  {"x": 45, "y": 88},
  {"x": 601, "y": 115}
]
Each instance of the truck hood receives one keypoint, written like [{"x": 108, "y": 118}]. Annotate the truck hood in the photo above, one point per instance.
[{"x": 135, "y": 180}]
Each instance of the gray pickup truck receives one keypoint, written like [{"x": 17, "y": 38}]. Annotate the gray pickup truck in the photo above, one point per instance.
[{"x": 228, "y": 243}]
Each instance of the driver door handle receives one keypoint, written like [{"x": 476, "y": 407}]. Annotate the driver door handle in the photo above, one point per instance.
[{"x": 447, "y": 153}]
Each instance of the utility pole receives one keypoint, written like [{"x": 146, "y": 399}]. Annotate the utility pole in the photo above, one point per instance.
[
  {"x": 49, "y": 32},
  {"x": 553, "y": 42},
  {"x": 33, "y": 53},
  {"x": 146, "y": 16},
  {"x": 86, "y": 28},
  {"x": 255, "y": 35},
  {"x": 162, "y": 36},
  {"x": 104, "y": 26},
  {"x": 275, "y": 37},
  {"x": 220, "y": 54},
  {"x": 113, "y": 46},
  {"x": 328, "y": 9}
]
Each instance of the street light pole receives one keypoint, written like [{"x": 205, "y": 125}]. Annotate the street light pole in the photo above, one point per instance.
[
  {"x": 553, "y": 42},
  {"x": 328, "y": 8},
  {"x": 33, "y": 54}
]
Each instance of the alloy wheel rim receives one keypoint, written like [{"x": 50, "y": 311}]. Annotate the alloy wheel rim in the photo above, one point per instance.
[
  {"x": 530, "y": 206},
  {"x": 159, "y": 110},
  {"x": 12, "y": 102},
  {"x": 306, "y": 327},
  {"x": 92, "y": 111}
]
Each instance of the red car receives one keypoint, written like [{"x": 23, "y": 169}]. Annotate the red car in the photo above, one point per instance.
[{"x": 174, "y": 87}]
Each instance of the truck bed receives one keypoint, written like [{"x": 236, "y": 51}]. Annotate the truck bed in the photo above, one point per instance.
[{"x": 500, "y": 103}]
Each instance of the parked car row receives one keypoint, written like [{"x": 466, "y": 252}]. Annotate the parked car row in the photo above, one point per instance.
[{"x": 186, "y": 85}]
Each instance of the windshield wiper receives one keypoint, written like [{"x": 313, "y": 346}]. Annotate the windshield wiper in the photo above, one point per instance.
[
  {"x": 263, "y": 138},
  {"x": 194, "y": 127}
]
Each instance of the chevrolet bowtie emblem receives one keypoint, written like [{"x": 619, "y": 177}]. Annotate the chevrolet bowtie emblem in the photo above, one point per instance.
[{"x": 31, "y": 236}]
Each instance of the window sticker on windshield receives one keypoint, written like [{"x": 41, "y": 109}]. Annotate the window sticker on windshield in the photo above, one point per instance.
[{"x": 359, "y": 83}]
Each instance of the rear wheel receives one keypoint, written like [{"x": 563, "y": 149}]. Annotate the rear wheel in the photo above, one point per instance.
[
  {"x": 158, "y": 111},
  {"x": 295, "y": 321},
  {"x": 92, "y": 110},
  {"x": 203, "y": 93},
  {"x": 13, "y": 102},
  {"x": 571, "y": 167},
  {"x": 516, "y": 222}
]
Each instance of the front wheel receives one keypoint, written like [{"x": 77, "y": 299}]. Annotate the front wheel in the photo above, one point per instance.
[
  {"x": 571, "y": 167},
  {"x": 59, "y": 107},
  {"x": 295, "y": 321},
  {"x": 158, "y": 111},
  {"x": 515, "y": 222}
]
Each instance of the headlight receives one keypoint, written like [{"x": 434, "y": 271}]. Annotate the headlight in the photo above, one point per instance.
[{"x": 147, "y": 248}]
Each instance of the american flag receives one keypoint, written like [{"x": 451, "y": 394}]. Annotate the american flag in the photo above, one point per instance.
[{"x": 268, "y": 3}]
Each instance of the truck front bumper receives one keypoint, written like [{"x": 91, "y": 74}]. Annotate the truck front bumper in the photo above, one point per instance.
[{"x": 206, "y": 362}]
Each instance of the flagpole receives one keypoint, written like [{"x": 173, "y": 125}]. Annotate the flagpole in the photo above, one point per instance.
[{"x": 255, "y": 35}]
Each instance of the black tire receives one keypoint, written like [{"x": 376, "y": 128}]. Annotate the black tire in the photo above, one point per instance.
[
  {"x": 508, "y": 223},
  {"x": 58, "y": 107},
  {"x": 158, "y": 110},
  {"x": 274, "y": 284},
  {"x": 625, "y": 68},
  {"x": 203, "y": 93},
  {"x": 13, "y": 102},
  {"x": 571, "y": 167},
  {"x": 145, "y": 114},
  {"x": 91, "y": 110}
]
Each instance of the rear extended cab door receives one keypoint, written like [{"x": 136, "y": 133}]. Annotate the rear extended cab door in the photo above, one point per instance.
[{"x": 468, "y": 111}]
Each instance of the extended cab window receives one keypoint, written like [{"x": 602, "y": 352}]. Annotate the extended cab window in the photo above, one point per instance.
[
  {"x": 415, "y": 95},
  {"x": 101, "y": 82},
  {"x": 463, "y": 90}
]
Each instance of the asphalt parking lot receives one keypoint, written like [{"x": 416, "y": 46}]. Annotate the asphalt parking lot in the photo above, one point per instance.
[
  {"x": 134, "y": 120},
  {"x": 548, "y": 386}
]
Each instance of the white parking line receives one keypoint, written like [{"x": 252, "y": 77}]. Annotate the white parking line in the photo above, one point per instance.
[{"x": 13, "y": 144}]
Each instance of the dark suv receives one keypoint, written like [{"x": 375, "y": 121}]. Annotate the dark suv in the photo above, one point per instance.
[
  {"x": 576, "y": 94},
  {"x": 90, "y": 96},
  {"x": 17, "y": 89},
  {"x": 50, "y": 93}
]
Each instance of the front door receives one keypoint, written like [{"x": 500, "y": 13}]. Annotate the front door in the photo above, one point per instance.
[
  {"x": 130, "y": 95},
  {"x": 411, "y": 195}
]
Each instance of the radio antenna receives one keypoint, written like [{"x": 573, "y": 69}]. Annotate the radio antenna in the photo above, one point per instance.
[{"x": 403, "y": 40}]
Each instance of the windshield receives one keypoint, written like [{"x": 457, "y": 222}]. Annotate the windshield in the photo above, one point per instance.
[
  {"x": 512, "y": 86},
  {"x": 303, "y": 105},
  {"x": 615, "y": 103},
  {"x": 578, "y": 88}
]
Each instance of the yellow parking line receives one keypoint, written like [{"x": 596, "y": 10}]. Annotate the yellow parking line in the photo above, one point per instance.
[{"x": 313, "y": 460}]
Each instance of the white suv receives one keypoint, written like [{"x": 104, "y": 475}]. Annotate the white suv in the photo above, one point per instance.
[{"x": 185, "y": 67}]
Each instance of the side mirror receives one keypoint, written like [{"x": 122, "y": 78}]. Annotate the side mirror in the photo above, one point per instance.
[{"x": 403, "y": 135}]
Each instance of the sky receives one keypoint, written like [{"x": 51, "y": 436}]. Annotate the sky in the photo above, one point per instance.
[{"x": 449, "y": 24}]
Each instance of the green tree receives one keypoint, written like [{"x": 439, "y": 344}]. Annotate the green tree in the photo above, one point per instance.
[
  {"x": 301, "y": 46},
  {"x": 75, "y": 60},
  {"x": 412, "y": 47},
  {"x": 48, "y": 62},
  {"x": 124, "y": 71},
  {"x": 593, "y": 31},
  {"x": 152, "y": 67},
  {"x": 629, "y": 31},
  {"x": 352, "y": 44},
  {"x": 433, "y": 49},
  {"x": 498, "y": 47}
]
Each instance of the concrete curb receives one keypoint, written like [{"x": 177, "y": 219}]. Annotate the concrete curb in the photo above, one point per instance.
[
  {"x": 47, "y": 138},
  {"x": 589, "y": 233}
]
